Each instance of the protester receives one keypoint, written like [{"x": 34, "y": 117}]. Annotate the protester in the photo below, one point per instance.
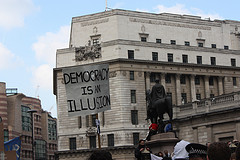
[
  {"x": 100, "y": 155},
  {"x": 160, "y": 154},
  {"x": 219, "y": 151},
  {"x": 196, "y": 151},
  {"x": 180, "y": 152},
  {"x": 140, "y": 148},
  {"x": 152, "y": 130},
  {"x": 238, "y": 152},
  {"x": 167, "y": 155}
]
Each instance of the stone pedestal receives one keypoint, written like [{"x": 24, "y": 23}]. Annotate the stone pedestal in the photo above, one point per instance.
[{"x": 162, "y": 141}]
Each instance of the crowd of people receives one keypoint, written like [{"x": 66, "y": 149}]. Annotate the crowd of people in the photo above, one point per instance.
[{"x": 184, "y": 150}]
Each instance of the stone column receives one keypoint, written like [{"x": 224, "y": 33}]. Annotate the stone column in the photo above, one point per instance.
[
  {"x": 237, "y": 130},
  {"x": 193, "y": 88},
  {"x": 195, "y": 134},
  {"x": 206, "y": 84},
  {"x": 178, "y": 90},
  {"x": 148, "y": 80},
  {"x": 209, "y": 133},
  {"x": 220, "y": 85},
  {"x": 163, "y": 82}
]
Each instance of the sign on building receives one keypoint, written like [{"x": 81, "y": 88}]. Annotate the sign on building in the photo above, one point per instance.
[{"x": 87, "y": 89}]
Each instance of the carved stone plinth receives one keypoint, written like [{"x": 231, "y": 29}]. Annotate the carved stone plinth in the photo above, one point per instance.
[{"x": 162, "y": 141}]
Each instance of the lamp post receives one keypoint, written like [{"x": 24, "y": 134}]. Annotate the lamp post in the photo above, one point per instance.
[{"x": 32, "y": 111}]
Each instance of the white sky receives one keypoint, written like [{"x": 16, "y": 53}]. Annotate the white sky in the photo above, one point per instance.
[{"x": 32, "y": 30}]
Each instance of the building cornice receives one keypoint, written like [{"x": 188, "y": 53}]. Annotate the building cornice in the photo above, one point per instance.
[
  {"x": 189, "y": 19},
  {"x": 168, "y": 46}
]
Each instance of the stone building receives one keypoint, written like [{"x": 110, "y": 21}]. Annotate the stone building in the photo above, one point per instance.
[
  {"x": 17, "y": 123},
  {"x": 196, "y": 60}
]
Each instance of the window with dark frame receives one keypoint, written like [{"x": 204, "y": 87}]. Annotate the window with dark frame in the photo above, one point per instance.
[
  {"x": 6, "y": 135},
  {"x": 95, "y": 41},
  {"x": 183, "y": 79},
  {"x": 169, "y": 94},
  {"x": 234, "y": 79},
  {"x": 213, "y": 60},
  {"x": 155, "y": 56},
  {"x": 170, "y": 57},
  {"x": 153, "y": 77},
  {"x": 110, "y": 140},
  {"x": 198, "y": 96},
  {"x": 158, "y": 41},
  {"x": 233, "y": 62},
  {"x": 134, "y": 117},
  {"x": 214, "y": 46},
  {"x": 173, "y": 42},
  {"x": 199, "y": 59},
  {"x": 130, "y": 54},
  {"x": 211, "y": 95},
  {"x": 187, "y": 43},
  {"x": 72, "y": 143},
  {"x": 200, "y": 44},
  {"x": 167, "y": 78},
  {"x": 211, "y": 82},
  {"x": 94, "y": 117},
  {"x": 92, "y": 141},
  {"x": 133, "y": 96},
  {"x": 185, "y": 58},
  {"x": 79, "y": 122},
  {"x": 143, "y": 39},
  {"x": 184, "y": 97},
  {"x": 131, "y": 75},
  {"x": 135, "y": 138},
  {"x": 197, "y": 80},
  {"x": 226, "y": 47}
]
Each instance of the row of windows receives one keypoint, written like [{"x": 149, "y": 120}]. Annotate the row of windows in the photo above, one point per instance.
[
  {"x": 26, "y": 139},
  {"x": 92, "y": 141},
  {"x": 186, "y": 43},
  {"x": 52, "y": 146},
  {"x": 52, "y": 130},
  {"x": 184, "y": 58}
]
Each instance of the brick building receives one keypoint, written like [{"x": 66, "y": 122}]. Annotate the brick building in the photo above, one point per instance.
[{"x": 17, "y": 122}]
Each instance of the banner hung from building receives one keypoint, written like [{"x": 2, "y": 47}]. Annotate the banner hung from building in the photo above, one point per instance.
[{"x": 87, "y": 89}]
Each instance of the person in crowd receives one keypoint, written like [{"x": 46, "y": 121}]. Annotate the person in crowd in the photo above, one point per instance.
[
  {"x": 153, "y": 128},
  {"x": 207, "y": 144},
  {"x": 168, "y": 127},
  {"x": 141, "y": 146},
  {"x": 100, "y": 155},
  {"x": 218, "y": 151},
  {"x": 160, "y": 154},
  {"x": 238, "y": 152},
  {"x": 196, "y": 151},
  {"x": 167, "y": 155},
  {"x": 180, "y": 152}
]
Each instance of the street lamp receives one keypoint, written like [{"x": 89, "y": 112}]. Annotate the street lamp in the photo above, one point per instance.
[{"x": 32, "y": 111}]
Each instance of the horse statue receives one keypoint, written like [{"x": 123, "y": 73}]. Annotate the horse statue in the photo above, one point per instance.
[{"x": 158, "y": 104}]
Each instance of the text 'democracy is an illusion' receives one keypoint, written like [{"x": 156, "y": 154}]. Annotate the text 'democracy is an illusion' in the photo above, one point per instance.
[{"x": 87, "y": 89}]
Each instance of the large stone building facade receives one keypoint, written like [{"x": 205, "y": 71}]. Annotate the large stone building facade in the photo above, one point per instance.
[
  {"x": 17, "y": 123},
  {"x": 196, "y": 60}
]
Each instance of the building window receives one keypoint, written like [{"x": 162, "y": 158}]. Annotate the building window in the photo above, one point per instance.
[
  {"x": 185, "y": 58},
  {"x": 94, "y": 117},
  {"x": 26, "y": 119},
  {"x": 234, "y": 81},
  {"x": 144, "y": 39},
  {"x": 197, "y": 80},
  {"x": 213, "y": 60},
  {"x": 211, "y": 83},
  {"x": 134, "y": 117},
  {"x": 6, "y": 135},
  {"x": 40, "y": 149},
  {"x": 173, "y": 42},
  {"x": 211, "y": 95},
  {"x": 79, "y": 122},
  {"x": 214, "y": 46},
  {"x": 133, "y": 96},
  {"x": 233, "y": 62},
  {"x": 184, "y": 98},
  {"x": 226, "y": 47},
  {"x": 169, "y": 94},
  {"x": 187, "y": 43},
  {"x": 92, "y": 141},
  {"x": 167, "y": 78},
  {"x": 135, "y": 138},
  {"x": 199, "y": 59},
  {"x": 155, "y": 56},
  {"x": 198, "y": 96},
  {"x": 170, "y": 57},
  {"x": 110, "y": 140},
  {"x": 72, "y": 143},
  {"x": 152, "y": 77},
  {"x": 183, "y": 79},
  {"x": 200, "y": 44},
  {"x": 130, "y": 54},
  {"x": 87, "y": 121},
  {"x": 158, "y": 41},
  {"x": 95, "y": 41},
  {"x": 52, "y": 129},
  {"x": 131, "y": 75}
]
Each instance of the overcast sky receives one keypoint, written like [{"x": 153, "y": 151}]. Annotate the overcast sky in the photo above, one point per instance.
[{"x": 32, "y": 30}]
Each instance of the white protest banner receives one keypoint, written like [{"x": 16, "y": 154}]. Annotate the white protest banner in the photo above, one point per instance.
[{"x": 87, "y": 89}]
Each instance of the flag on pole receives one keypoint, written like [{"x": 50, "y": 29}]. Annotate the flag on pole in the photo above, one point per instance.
[
  {"x": 98, "y": 126},
  {"x": 13, "y": 145}
]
